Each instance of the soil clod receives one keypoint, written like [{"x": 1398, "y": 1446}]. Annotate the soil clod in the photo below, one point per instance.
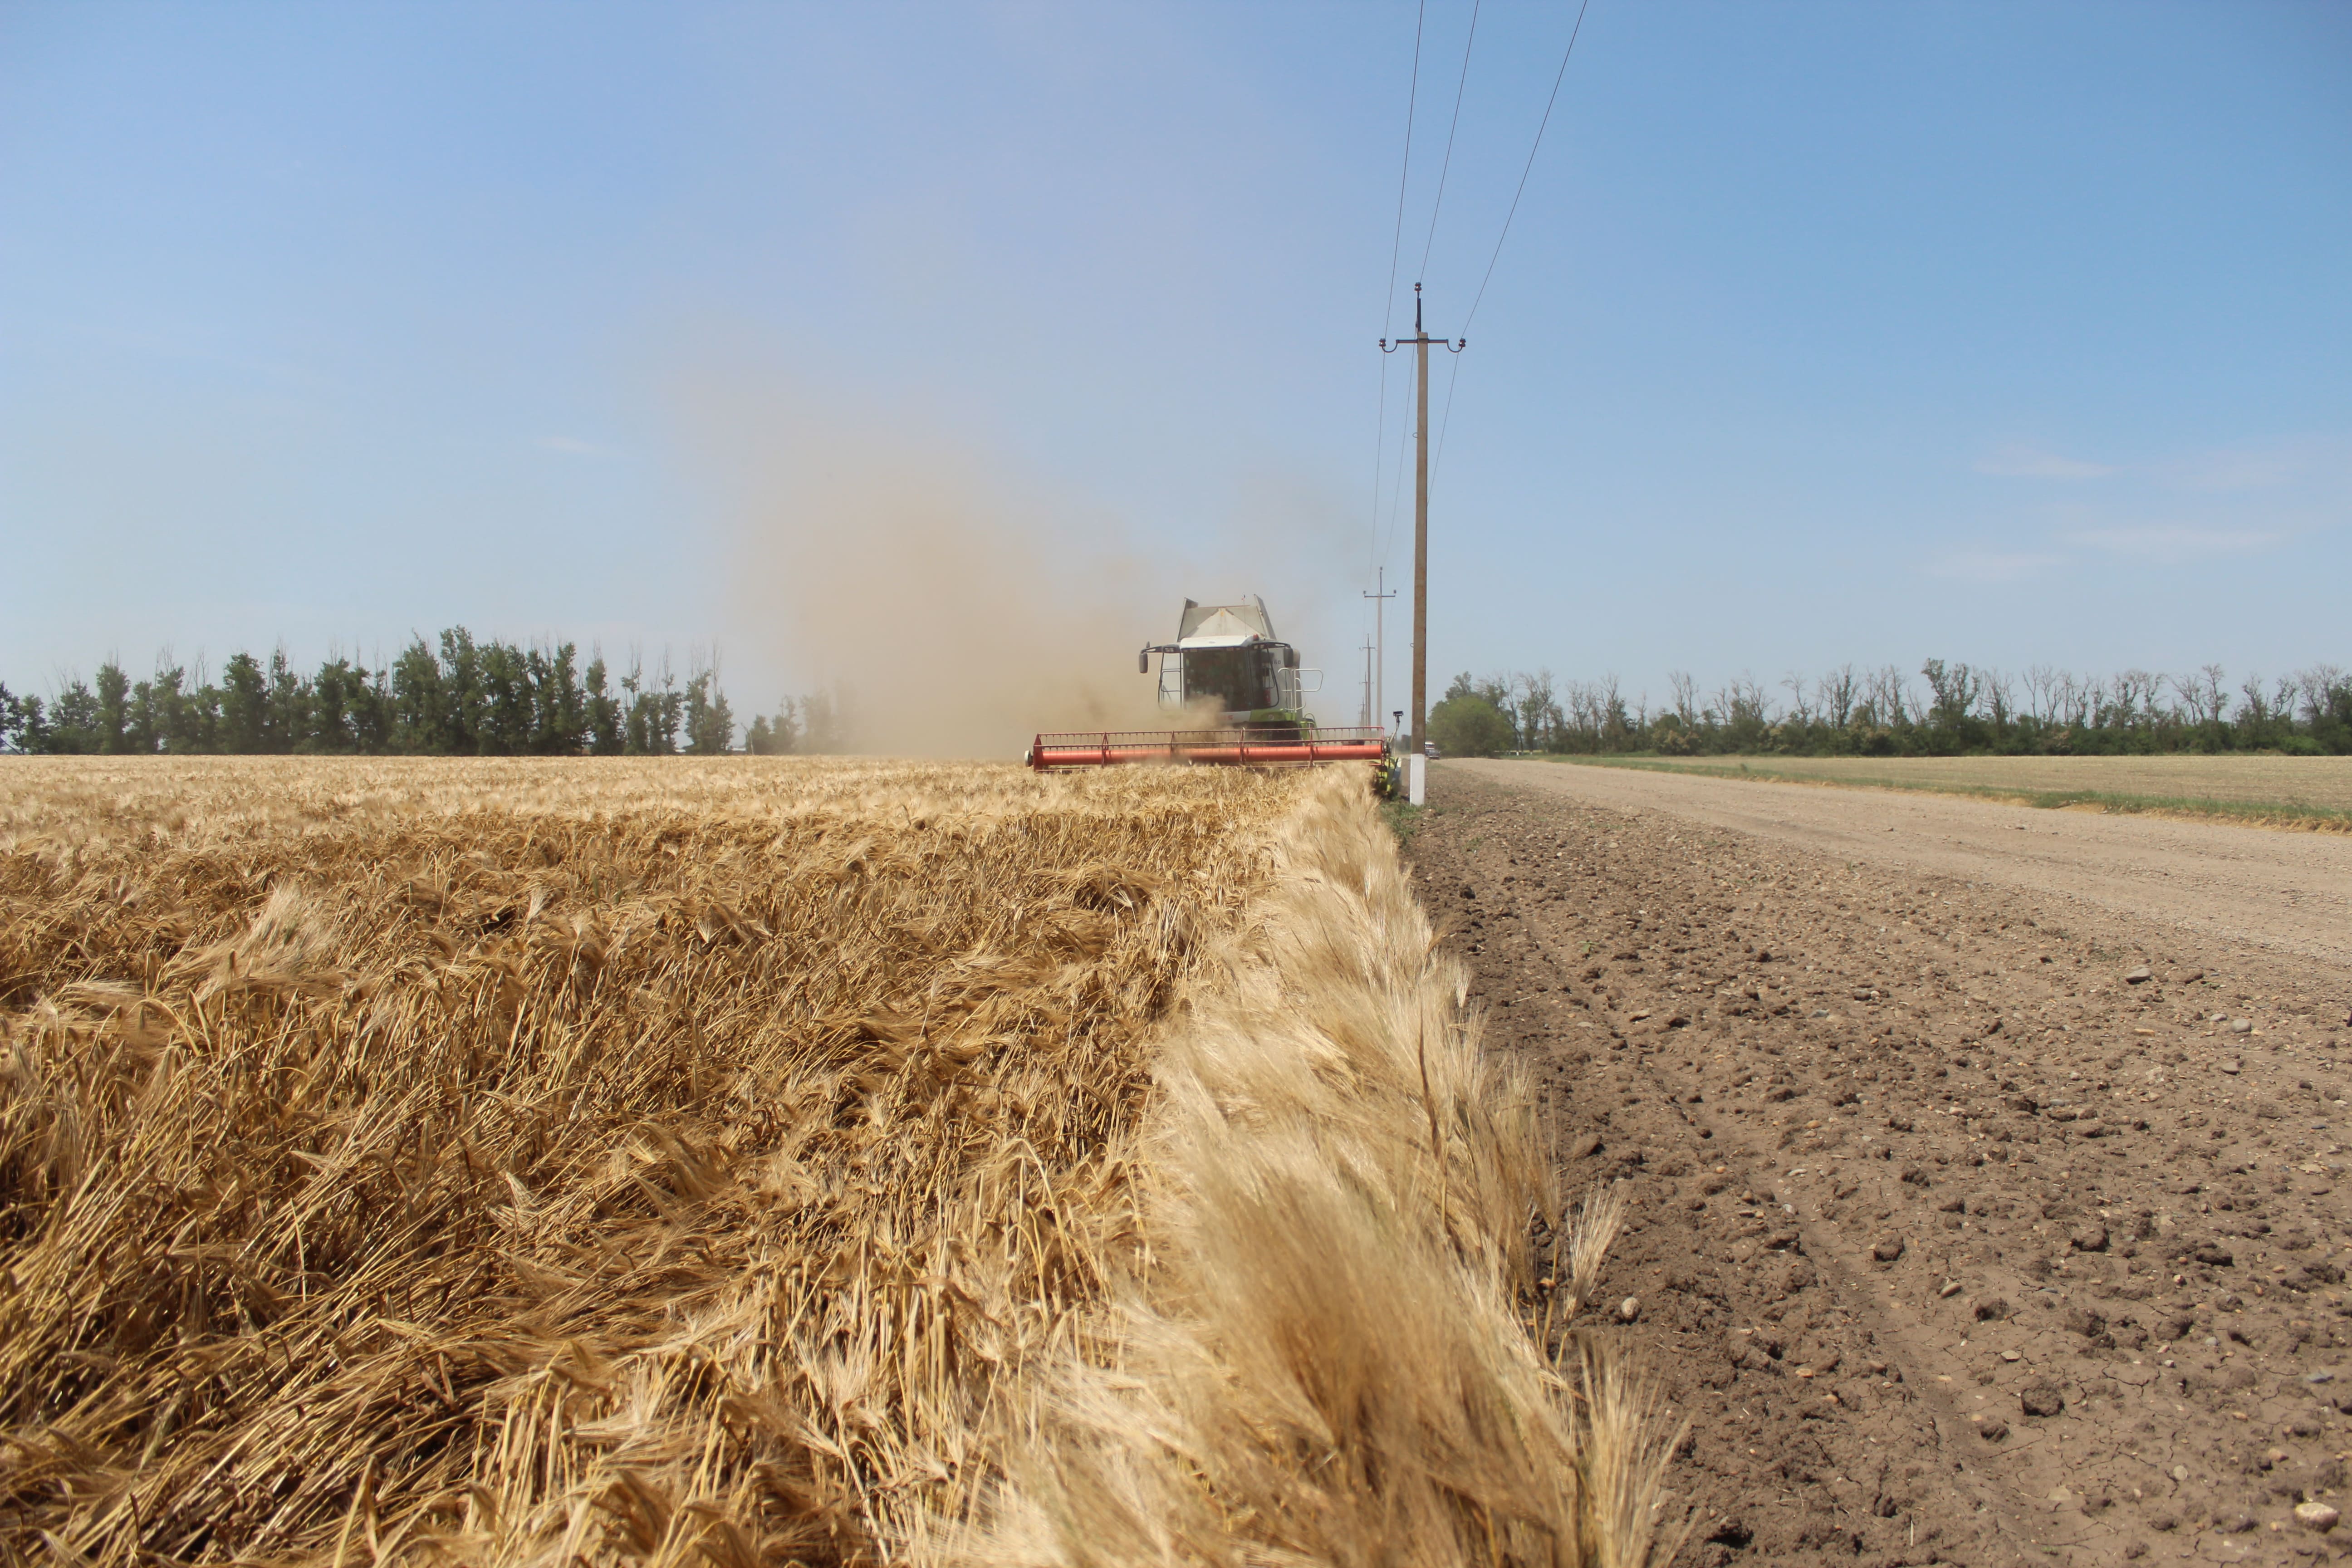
[{"x": 2042, "y": 1396}]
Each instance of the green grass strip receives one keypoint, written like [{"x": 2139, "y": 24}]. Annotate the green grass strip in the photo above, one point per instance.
[
  {"x": 2250, "y": 813},
  {"x": 1404, "y": 819}
]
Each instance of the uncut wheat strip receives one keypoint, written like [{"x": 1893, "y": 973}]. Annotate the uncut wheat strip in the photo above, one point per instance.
[{"x": 1322, "y": 1297}]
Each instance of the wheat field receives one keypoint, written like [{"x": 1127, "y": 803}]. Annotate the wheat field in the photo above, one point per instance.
[{"x": 752, "y": 1161}]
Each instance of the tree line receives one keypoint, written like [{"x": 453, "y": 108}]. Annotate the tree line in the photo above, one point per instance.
[
  {"x": 1948, "y": 710},
  {"x": 460, "y": 696}
]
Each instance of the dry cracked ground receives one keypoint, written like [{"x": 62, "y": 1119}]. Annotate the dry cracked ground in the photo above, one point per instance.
[{"x": 1978, "y": 1215}]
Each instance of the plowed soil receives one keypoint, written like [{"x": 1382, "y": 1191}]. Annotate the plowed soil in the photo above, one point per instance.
[{"x": 1972, "y": 1221}]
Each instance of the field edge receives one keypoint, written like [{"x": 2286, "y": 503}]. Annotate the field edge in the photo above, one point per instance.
[
  {"x": 2277, "y": 816},
  {"x": 1338, "y": 1343}
]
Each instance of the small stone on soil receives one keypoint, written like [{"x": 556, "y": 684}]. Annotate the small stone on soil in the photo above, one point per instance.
[
  {"x": 2316, "y": 1516},
  {"x": 1888, "y": 1250},
  {"x": 1629, "y": 1308}
]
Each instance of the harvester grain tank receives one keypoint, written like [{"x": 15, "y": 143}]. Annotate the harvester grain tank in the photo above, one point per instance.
[{"x": 1226, "y": 660}]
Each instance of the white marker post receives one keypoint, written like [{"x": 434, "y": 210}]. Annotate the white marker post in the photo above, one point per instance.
[{"x": 1416, "y": 779}]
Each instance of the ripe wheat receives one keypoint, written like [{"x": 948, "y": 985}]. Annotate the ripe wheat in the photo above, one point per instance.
[{"x": 752, "y": 1162}]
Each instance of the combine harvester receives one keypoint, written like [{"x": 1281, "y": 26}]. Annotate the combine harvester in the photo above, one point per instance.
[{"x": 1226, "y": 654}]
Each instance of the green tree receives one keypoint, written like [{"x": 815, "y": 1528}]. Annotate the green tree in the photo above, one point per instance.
[
  {"x": 1469, "y": 726},
  {"x": 244, "y": 704},
  {"x": 73, "y": 719},
  {"x": 606, "y": 737},
  {"x": 775, "y": 737},
  {"x": 559, "y": 707},
  {"x": 369, "y": 700},
  {"x": 329, "y": 728},
  {"x": 654, "y": 713},
  {"x": 421, "y": 717},
  {"x": 22, "y": 723},
  {"x": 506, "y": 709},
  {"x": 147, "y": 718},
  {"x": 190, "y": 714},
  {"x": 709, "y": 721},
  {"x": 461, "y": 685},
  {"x": 285, "y": 706},
  {"x": 1955, "y": 691},
  {"x": 113, "y": 708}
]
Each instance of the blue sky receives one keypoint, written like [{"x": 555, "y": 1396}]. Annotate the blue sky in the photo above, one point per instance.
[{"x": 2006, "y": 333}]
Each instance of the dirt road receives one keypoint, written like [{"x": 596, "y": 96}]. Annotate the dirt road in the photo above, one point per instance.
[
  {"x": 2291, "y": 891},
  {"x": 1955, "y": 1239}
]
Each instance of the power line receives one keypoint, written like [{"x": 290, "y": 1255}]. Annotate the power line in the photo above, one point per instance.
[
  {"x": 1555, "y": 81},
  {"x": 1396, "y": 243},
  {"x": 1444, "y": 421},
  {"x": 1396, "y": 497},
  {"x": 1396, "y": 248},
  {"x": 1448, "y": 163},
  {"x": 1444, "y": 168},
  {"x": 1380, "y": 450}
]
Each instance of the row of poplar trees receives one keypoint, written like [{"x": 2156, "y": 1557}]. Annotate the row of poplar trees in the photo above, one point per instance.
[{"x": 464, "y": 696}]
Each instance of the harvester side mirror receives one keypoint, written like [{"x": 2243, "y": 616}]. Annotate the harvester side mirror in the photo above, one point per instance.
[{"x": 1143, "y": 662}]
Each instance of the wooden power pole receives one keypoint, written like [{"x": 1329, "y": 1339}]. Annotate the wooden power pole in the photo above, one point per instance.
[
  {"x": 1379, "y": 599},
  {"x": 1421, "y": 340}
]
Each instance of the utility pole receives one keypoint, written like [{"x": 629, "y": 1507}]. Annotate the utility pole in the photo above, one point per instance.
[
  {"x": 1366, "y": 719},
  {"x": 1421, "y": 340},
  {"x": 1380, "y": 637}
]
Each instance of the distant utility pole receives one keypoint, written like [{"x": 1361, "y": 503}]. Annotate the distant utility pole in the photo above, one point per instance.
[
  {"x": 1380, "y": 639},
  {"x": 1365, "y": 718},
  {"x": 1421, "y": 340}
]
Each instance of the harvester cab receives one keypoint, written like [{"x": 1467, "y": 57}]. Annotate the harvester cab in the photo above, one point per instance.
[{"x": 1227, "y": 654}]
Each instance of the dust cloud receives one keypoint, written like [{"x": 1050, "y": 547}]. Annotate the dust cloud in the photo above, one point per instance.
[{"x": 955, "y": 614}]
